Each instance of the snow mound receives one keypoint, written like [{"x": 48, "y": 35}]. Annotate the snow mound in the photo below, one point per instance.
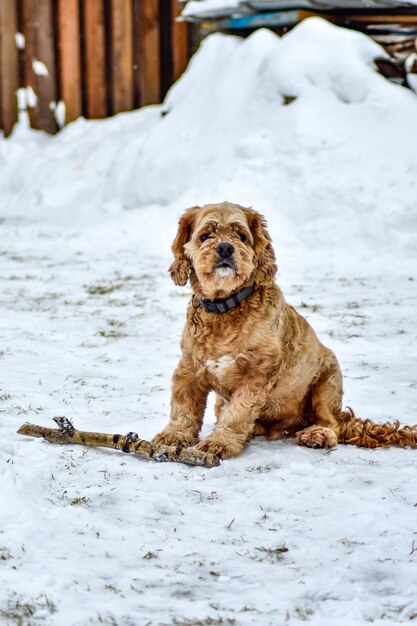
[
  {"x": 214, "y": 8},
  {"x": 302, "y": 127}
]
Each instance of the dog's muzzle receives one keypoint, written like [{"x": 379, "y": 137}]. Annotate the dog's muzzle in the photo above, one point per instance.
[{"x": 225, "y": 258}]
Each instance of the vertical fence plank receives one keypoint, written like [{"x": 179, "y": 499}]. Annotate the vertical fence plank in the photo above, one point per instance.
[
  {"x": 45, "y": 52},
  {"x": 35, "y": 17},
  {"x": 149, "y": 52},
  {"x": 28, "y": 27},
  {"x": 9, "y": 68},
  {"x": 70, "y": 57},
  {"x": 180, "y": 47},
  {"x": 95, "y": 58},
  {"x": 136, "y": 56},
  {"x": 122, "y": 55}
]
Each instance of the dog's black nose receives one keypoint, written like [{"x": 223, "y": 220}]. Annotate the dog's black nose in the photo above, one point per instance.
[{"x": 225, "y": 250}]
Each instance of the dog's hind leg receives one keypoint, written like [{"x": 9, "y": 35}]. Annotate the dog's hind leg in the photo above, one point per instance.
[{"x": 326, "y": 405}]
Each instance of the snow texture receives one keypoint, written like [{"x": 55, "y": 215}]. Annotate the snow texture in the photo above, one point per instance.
[
  {"x": 205, "y": 9},
  {"x": 39, "y": 68},
  {"x": 20, "y": 41},
  {"x": 304, "y": 129}
]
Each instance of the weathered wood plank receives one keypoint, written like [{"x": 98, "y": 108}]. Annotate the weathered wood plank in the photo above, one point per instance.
[
  {"x": 180, "y": 47},
  {"x": 149, "y": 52},
  {"x": 9, "y": 66},
  {"x": 136, "y": 54},
  {"x": 382, "y": 18},
  {"x": 28, "y": 17},
  {"x": 70, "y": 57},
  {"x": 46, "y": 87},
  {"x": 122, "y": 55},
  {"x": 95, "y": 58}
]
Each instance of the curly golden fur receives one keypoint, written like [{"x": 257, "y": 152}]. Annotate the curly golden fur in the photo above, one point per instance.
[{"x": 271, "y": 374}]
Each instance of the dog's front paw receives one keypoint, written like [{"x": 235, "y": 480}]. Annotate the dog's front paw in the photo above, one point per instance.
[
  {"x": 317, "y": 437},
  {"x": 175, "y": 438},
  {"x": 224, "y": 448}
]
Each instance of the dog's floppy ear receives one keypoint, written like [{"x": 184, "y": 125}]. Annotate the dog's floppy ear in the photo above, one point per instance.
[
  {"x": 265, "y": 262},
  {"x": 181, "y": 266}
]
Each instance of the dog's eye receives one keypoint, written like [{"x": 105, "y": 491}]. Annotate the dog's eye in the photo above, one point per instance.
[
  {"x": 204, "y": 236},
  {"x": 242, "y": 236}
]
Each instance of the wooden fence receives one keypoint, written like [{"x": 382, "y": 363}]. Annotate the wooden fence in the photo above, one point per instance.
[{"x": 99, "y": 57}]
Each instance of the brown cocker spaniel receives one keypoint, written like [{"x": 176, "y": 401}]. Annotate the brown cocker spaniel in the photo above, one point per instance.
[{"x": 271, "y": 374}]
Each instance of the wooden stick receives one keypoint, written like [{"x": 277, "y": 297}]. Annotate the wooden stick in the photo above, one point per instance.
[{"x": 67, "y": 434}]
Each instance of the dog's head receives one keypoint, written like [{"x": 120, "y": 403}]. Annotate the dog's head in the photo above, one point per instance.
[{"x": 225, "y": 247}]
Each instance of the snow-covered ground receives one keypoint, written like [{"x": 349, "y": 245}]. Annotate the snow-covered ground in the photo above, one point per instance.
[{"x": 90, "y": 327}]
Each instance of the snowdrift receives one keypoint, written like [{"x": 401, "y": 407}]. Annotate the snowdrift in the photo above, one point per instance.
[{"x": 302, "y": 127}]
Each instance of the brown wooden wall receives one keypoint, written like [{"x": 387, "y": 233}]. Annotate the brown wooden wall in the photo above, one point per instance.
[{"x": 102, "y": 56}]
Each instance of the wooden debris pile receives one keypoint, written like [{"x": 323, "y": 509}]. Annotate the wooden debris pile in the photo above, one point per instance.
[{"x": 401, "y": 65}]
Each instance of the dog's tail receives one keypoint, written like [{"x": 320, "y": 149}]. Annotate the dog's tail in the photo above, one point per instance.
[{"x": 368, "y": 434}]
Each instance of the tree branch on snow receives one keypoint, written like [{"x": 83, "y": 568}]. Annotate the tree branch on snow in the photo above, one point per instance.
[{"x": 67, "y": 434}]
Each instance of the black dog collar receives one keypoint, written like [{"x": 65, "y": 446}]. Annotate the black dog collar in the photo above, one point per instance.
[{"x": 223, "y": 306}]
